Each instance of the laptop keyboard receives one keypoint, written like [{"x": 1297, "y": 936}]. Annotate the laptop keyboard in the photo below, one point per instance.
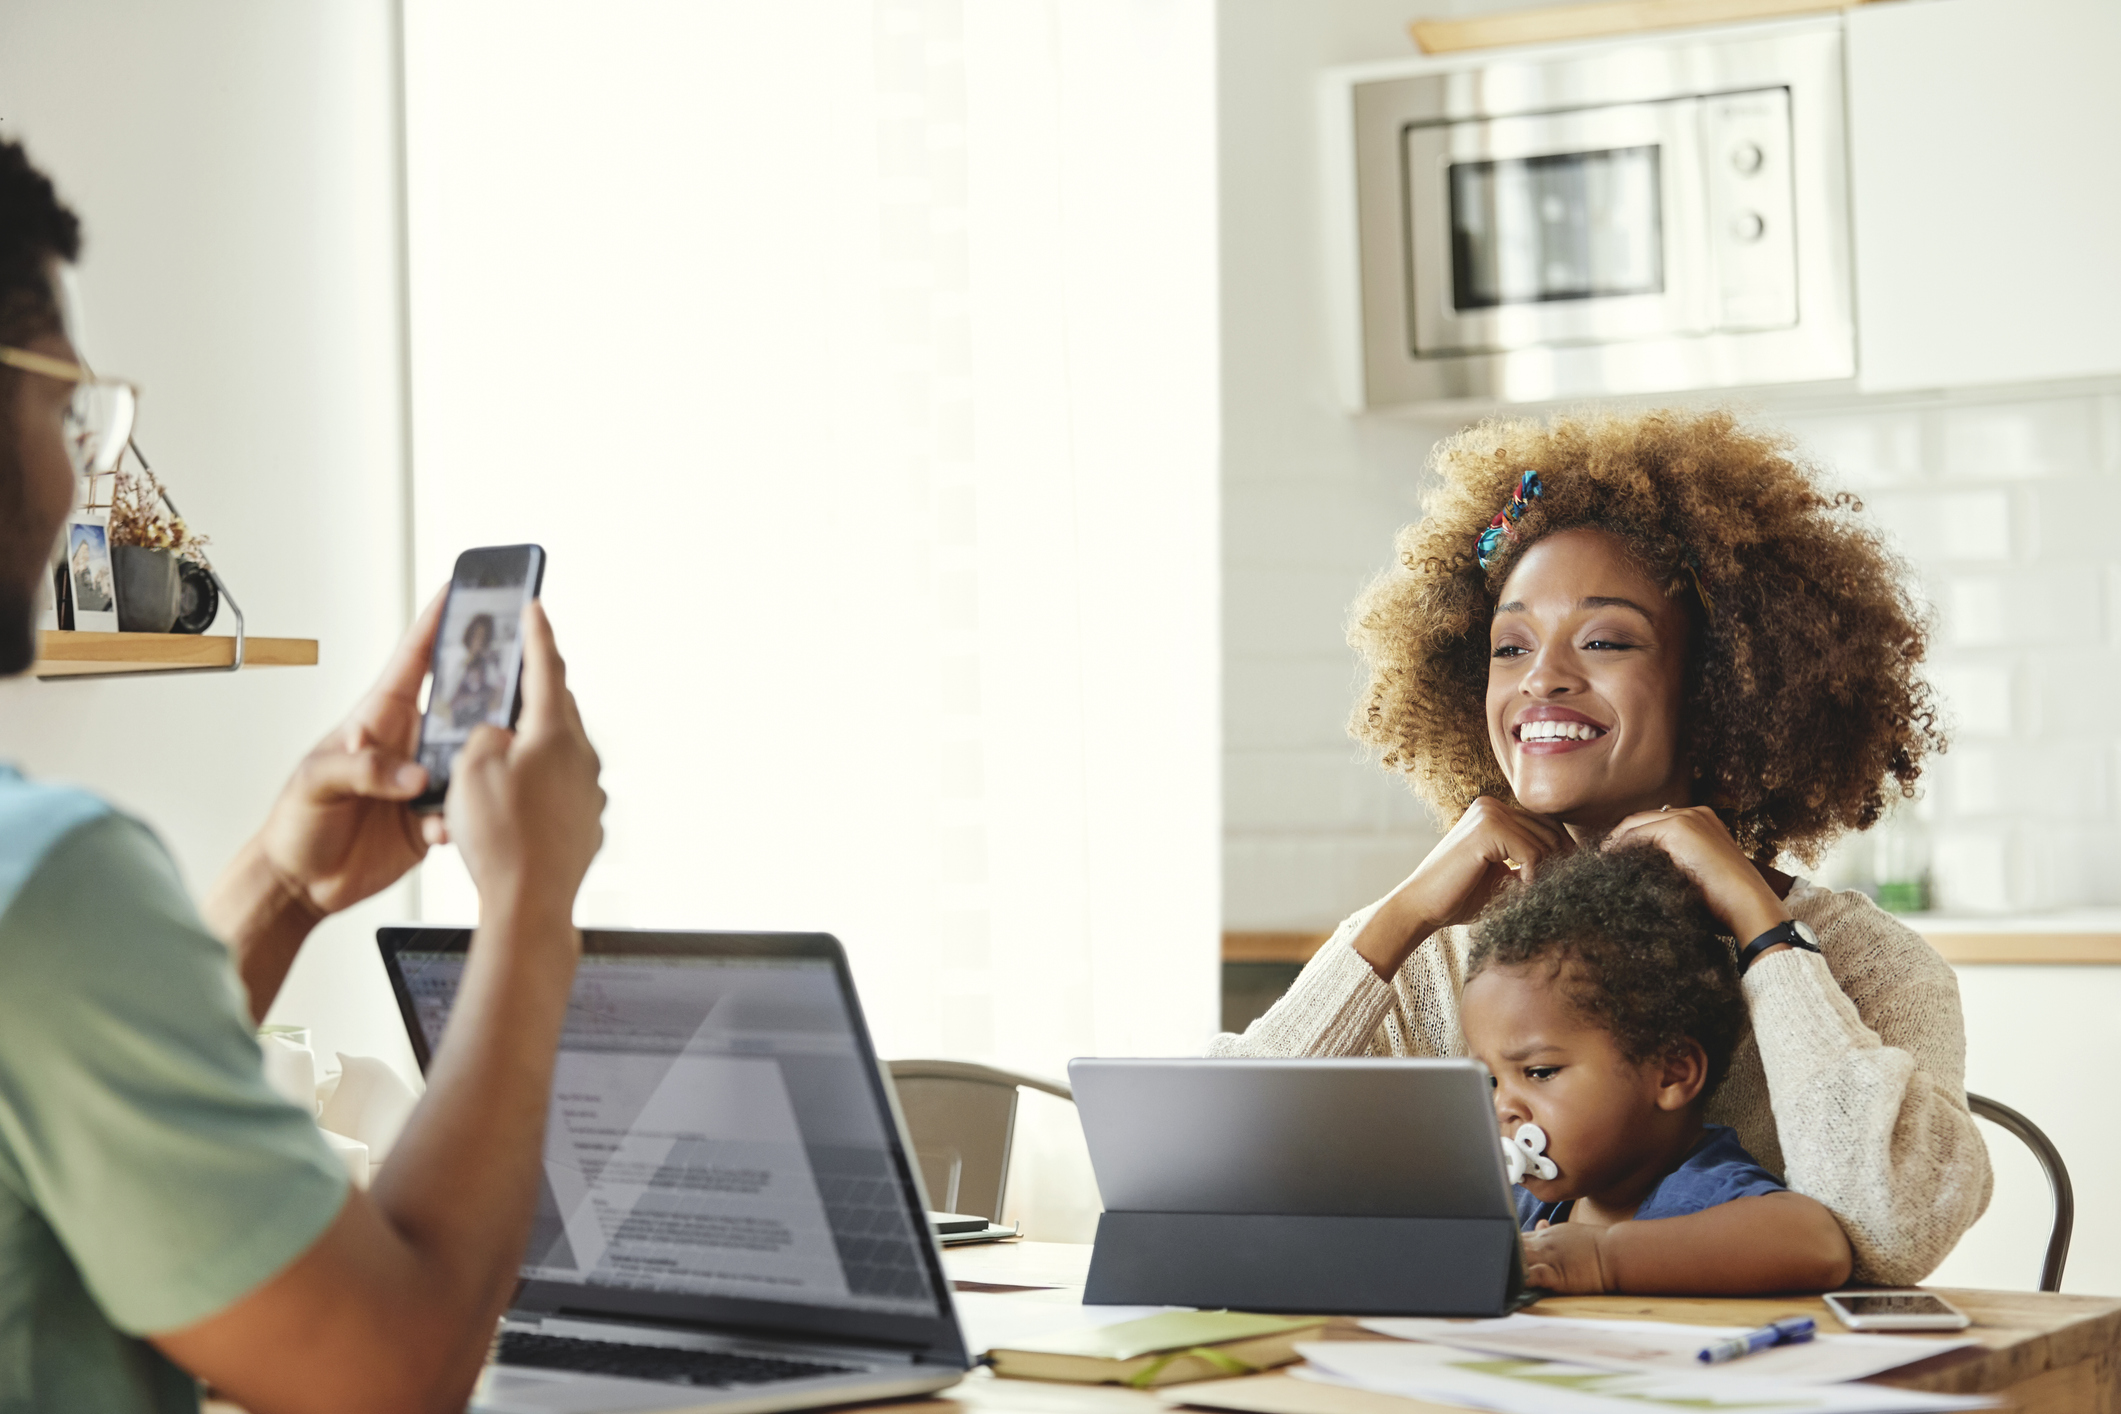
[{"x": 717, "y": 1368}]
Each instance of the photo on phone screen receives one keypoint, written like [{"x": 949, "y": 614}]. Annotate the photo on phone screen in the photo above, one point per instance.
[{"x": 477, "y": 667}]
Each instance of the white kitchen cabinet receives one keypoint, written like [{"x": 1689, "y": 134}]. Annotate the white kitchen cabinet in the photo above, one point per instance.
[{"x": 1985, "y": 144}]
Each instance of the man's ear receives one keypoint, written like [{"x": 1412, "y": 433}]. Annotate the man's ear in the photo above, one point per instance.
[{"x": 1681, "y": 1075}]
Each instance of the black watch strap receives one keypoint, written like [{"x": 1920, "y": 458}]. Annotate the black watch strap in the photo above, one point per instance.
[{"x": 1790, "y": 931}]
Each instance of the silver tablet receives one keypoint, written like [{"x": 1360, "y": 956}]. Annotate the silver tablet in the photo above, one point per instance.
[{"x": 1357, "y": 1138}]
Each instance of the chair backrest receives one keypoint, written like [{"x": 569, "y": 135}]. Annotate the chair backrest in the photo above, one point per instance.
[
  {"x": 2004, "y": 1117},
  {"x": 962, "y": 1120}
]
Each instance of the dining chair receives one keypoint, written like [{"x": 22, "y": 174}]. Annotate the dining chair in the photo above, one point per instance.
[
  {"x": 2004, "y": 1117},
  {"x": 962, "y": 1120}
]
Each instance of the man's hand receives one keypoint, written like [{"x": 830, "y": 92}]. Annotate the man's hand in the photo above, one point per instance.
[
  {"x": 341, "y": 829},
  {"x": 1568, "y": 1258},
  {"x": 525, "y": 809},
  {"x": 394, "y": 1306}
]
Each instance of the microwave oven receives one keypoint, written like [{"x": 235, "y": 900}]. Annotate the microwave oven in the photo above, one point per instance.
[{"x": 1644, "y": 216}]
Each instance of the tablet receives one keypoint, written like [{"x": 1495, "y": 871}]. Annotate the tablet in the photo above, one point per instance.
[
  {"x": 1358, "y": 1187},
  {"x": 1356, "y": 1137}
]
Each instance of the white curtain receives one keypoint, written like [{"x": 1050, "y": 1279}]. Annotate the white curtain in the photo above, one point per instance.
[{"x": 855, "y": 363}]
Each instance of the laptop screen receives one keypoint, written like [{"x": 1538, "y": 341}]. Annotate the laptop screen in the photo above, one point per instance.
[{"x": 718, "y": 1145}]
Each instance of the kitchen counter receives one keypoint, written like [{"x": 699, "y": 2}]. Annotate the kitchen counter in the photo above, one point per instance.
[{"x": 2073, "y": 937}]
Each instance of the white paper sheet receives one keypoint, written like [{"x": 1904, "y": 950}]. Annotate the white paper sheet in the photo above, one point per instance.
[
  {"x": 1447, "y": 1375},
  {"x": 1660, "y": 1345},
  {"x": 994, "y": 1319},
  {"x": 1065, "y": 1264}
]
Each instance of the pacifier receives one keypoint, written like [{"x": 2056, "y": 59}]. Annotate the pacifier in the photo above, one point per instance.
[{"x": 1526, "y": 1152}]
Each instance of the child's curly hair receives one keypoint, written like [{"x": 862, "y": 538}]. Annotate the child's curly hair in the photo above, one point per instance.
[
  {"x": 1804, "y": 703},
  {"x": 1633, "y": 947}
]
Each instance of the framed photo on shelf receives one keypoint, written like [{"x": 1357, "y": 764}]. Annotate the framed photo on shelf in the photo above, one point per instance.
[
  {"x": 51, "y": 592},
  {"x": 90, "y": 580}
]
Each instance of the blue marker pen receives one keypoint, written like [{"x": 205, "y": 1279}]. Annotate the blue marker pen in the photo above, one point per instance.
[{"x": 1789, "y": 1332}]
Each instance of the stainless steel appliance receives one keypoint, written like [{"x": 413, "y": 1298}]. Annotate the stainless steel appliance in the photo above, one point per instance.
[{"x": 1632, "y": 217}]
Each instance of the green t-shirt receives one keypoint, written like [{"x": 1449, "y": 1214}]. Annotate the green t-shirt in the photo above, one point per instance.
[{"x": 149, "y": 1177}]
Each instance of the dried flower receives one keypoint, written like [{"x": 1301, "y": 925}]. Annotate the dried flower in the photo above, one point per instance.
[{"x": 139, "y": 516}]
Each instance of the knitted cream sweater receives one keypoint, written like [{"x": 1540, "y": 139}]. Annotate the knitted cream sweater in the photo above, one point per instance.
[{"x": 1852, "y": 1084}]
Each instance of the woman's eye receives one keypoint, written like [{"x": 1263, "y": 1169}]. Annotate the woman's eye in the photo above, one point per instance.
[
  {"x": 1541, "y": 1072},
  {"x": 1607, "y": 644},
  {"x": 1510, "y": 650}
]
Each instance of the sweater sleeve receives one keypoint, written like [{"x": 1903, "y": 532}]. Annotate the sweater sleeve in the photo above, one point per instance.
[
  {"x": 1333, "y": 1008},
  {"x": 1339, "y": 1006},
  {"x": 1865, "y": 1055}
]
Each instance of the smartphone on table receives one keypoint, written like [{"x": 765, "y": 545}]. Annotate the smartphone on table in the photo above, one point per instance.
[
  {"x": 1896, "y": 1311},
  {"x": 476, "y": 673}
]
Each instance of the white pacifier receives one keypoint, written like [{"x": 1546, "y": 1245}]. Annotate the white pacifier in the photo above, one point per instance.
[{"x": 1527, "y": 1153}]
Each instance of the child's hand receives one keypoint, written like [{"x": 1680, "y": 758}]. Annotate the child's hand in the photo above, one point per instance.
[{"x": 1565, "y": 1259}]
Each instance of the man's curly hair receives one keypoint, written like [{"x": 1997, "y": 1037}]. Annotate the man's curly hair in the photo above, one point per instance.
[
  {"x": 35, "y": 229},
  {"x": 1804, "y": 703},
  {"x": 1633, "y": 947}
]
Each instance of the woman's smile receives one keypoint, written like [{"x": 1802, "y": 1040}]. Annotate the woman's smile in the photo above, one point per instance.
[
  {"x": 1585, "y": 676},
  {"x": 1547, "y": 730}
]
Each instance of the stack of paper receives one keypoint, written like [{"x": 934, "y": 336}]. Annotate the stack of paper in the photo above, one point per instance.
[
  {"x": 1660, "y": 1345},
  {"x": 1475, "y": 1379}
]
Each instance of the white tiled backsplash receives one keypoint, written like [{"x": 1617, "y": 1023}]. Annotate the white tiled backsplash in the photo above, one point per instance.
[{"x": 2008, "y": 507}]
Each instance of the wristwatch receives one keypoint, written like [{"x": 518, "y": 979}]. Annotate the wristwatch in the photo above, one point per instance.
[{"x": 1797, "y": 934}]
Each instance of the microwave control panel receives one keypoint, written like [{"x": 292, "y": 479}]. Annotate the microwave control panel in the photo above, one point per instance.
[{"x": 1752, "y": 210}]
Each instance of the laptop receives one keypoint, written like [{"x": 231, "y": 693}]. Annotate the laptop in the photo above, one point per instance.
[
  {"x": 728, "y": 1219},
  {"x": 1351, "y": 1187}
]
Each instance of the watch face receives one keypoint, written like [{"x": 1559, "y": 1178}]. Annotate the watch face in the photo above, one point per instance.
[{"x": 1804, "y": 932}]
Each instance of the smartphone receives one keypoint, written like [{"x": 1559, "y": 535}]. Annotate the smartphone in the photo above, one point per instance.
[
  {"x": 1896, "y": 1311},
  {"x": 476, "y": 674}
]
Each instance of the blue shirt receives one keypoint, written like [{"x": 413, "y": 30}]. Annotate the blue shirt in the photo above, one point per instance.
[{"x": 1717, "y": 1171}]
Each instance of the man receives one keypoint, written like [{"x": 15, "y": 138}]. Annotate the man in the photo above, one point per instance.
[{"x": 164, "y": 1217}]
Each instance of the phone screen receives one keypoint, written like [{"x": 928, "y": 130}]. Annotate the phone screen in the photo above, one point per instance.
[
  {"x": 477, "y": 666},
  {"x": 1894, "y": 1304}
]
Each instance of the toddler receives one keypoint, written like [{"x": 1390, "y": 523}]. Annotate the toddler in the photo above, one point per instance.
[{"x": 1606, "y": 1007}]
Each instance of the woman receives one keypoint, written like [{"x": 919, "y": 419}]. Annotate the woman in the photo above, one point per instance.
[
  {"x": 482, "y": 683},
  {"x": 1654, "y": 627}
]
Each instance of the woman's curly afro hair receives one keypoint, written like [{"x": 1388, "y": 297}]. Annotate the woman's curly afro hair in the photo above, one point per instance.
[
  {"x": 1804, "y": 703},
  {"x": 1633, "y": 947}
]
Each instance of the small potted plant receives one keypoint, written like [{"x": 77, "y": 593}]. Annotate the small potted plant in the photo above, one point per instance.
[{"x": 160, "y": 562}]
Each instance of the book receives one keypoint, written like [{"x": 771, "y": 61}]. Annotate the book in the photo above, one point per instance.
[{"x": 1170, "y": 1349}]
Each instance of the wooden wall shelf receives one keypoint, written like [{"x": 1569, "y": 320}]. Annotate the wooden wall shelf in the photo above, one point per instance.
[
  {"x": 62, "y": 654},
  {"x": 1549, "y": 24}
]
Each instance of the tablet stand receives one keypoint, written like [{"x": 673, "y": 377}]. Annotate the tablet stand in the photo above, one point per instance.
[{"x": 1351, "y": 1266}]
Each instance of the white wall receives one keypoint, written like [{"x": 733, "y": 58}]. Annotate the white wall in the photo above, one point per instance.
[
  {"x": 233, "y": 163},
  {"x": 2000, "y": 497},
  {"x": 1311, "y": 495},
  {"x": 856, "y": 364},
  {"x": 2037, "y": 1039}
]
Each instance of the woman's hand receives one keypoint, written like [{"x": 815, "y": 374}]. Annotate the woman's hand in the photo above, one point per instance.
[
  {"x": 1702, "y": 848},
  {"x": 1489, "y": 843},
  {"x": 1569, "y": 1258}
]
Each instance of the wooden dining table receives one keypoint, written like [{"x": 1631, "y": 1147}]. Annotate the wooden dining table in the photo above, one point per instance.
[{"x": 2040, "y": 1352}]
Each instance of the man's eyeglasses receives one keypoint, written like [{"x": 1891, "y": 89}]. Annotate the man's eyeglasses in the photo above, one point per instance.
[{"x": 99, "y": 418}]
